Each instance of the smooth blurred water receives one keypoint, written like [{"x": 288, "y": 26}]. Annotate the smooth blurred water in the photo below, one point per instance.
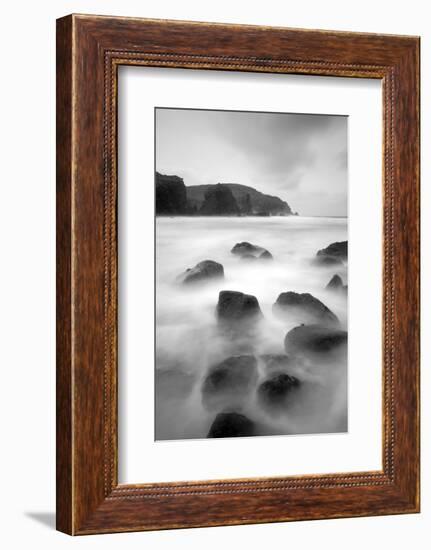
[{"x": 187, "y": 340}]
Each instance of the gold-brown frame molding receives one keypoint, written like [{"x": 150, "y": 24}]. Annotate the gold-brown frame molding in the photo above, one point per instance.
[{"x": 89, "y": 51}]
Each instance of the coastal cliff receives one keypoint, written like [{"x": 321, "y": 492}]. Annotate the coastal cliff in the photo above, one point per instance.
[
  {"x": 171, "y": 195},
  {"x": 174, "y": 198}
]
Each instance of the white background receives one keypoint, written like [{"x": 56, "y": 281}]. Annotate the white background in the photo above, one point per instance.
[
  {"x": 141, "y": 458},
  {"x": 27, "y": 122}
]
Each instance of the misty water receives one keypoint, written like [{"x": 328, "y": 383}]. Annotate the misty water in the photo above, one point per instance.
[{"x": 188, "y": 341}]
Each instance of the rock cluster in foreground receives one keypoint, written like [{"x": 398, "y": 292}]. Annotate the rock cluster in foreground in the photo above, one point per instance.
[{"x": 230, "y": 383}]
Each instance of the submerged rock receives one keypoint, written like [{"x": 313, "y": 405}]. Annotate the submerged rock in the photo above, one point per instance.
[
  {"x": 231, "y": 424},
  {"x": 336, "y": 284},
  {"x": 277, "y": 391},
  {"x": 315, "y": 339},
  {"x": 230, "y": 381},
  {"x": 234, "y": 307},
  {"x": 333, "y": 254},
  {"x": 203, "y": 271},
  {"x": 305, "y": 307},
  {"x": 248, "y": 250}
]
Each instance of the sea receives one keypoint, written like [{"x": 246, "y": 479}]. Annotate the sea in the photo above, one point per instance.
[{"x": 188, "y": 342}]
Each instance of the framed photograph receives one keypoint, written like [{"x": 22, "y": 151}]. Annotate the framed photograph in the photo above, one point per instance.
[{"x": 237, "y": 274}]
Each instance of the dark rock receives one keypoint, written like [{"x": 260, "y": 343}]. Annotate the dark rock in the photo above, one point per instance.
[
  {"x": 334, "y": 254},
  {"x": 230, "y": 381},
  {"x": 305, "y": 307},
  {"x": 338, "y": 249},
  {"x": 248, "y": 251},
  {"x": 231, "y": 424},
  {"x": 245, "y": 248},
  {"x": 171, "y": 195},
  {"x": 315, "y": 339},
  {"x": 336, "y": 284},
  {"x": 219, "y": 201},
  {"x": 237, "y": 307},
  {"x": 277, "y": 391},
  {"x": 206, "y": 270}
]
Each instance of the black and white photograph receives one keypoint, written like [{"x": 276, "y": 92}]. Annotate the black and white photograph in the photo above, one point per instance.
[{"x": 251, "y": 274}]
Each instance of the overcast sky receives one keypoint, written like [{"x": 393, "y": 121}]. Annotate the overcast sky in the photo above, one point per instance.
[{"x": 300, "y": 158}]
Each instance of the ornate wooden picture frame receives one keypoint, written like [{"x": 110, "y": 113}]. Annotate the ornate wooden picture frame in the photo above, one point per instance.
[{"x": 89, "y": 51}]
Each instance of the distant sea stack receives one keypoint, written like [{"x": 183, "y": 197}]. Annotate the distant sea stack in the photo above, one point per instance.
[{"x": 171, "y": 195}]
